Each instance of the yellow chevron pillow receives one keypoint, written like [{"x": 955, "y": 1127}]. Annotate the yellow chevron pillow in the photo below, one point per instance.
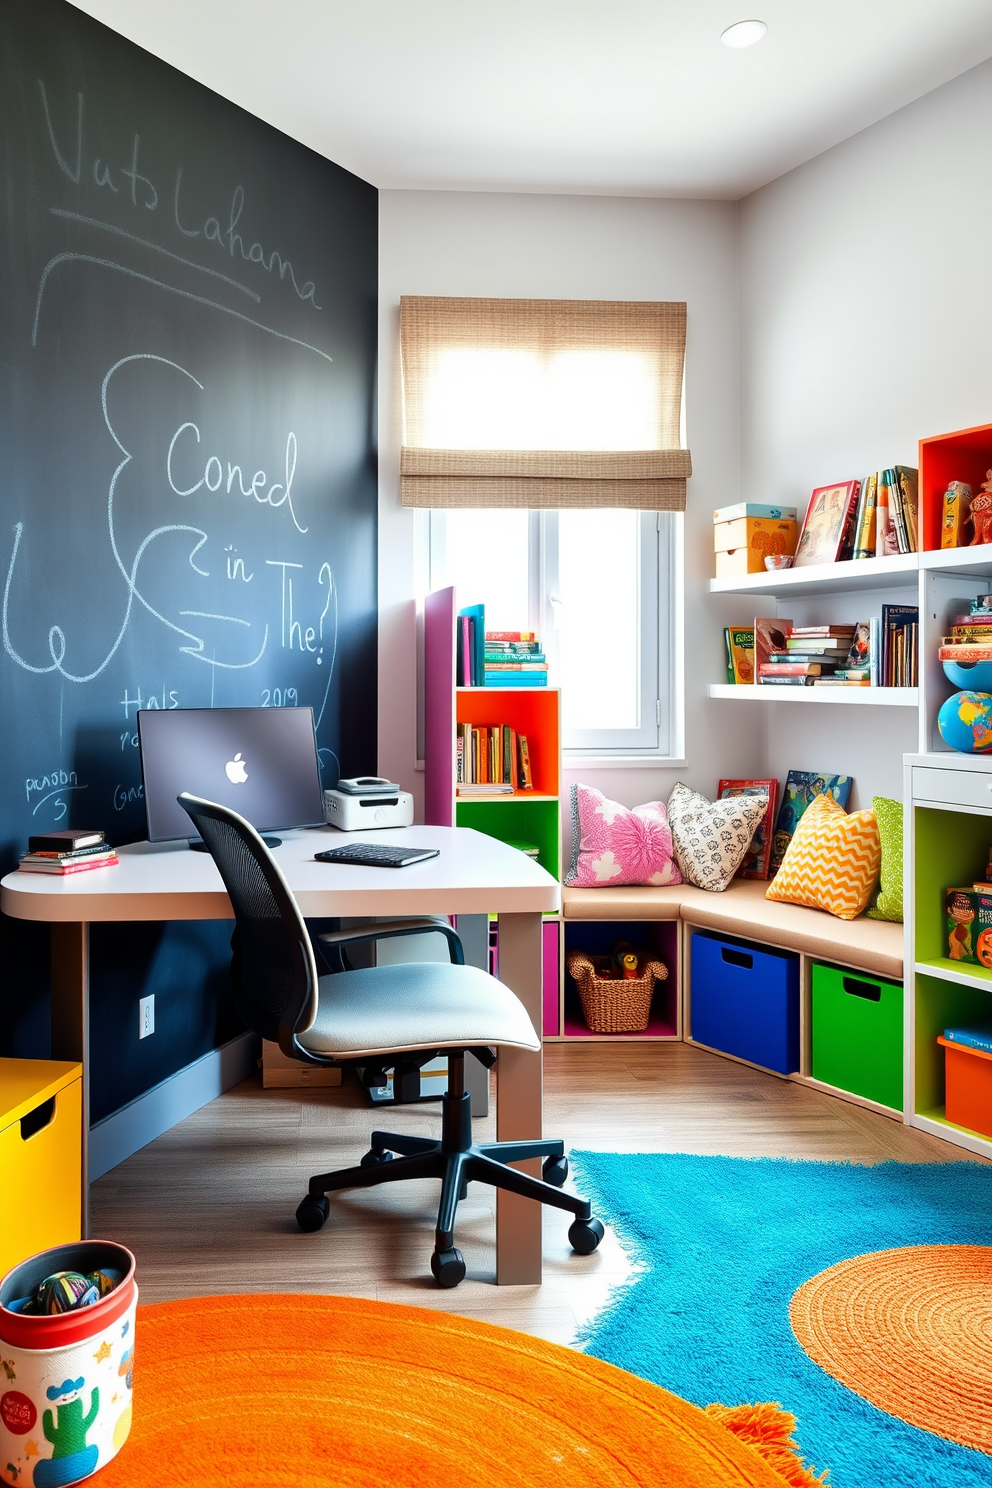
[{"x": 832, "y": 861}]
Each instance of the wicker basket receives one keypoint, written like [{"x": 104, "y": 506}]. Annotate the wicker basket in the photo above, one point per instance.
[{"x": 614, "y": 1004}]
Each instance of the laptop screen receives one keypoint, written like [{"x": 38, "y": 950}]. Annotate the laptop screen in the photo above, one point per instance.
[{"x": 261, "y": 762}]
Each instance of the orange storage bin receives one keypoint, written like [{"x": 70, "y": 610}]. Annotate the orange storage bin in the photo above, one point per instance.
[{"x": 968, "y": 1084}]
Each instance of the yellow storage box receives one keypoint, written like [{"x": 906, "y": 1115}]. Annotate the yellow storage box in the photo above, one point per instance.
[
  {"x": 741, "y": 546},
  {"x": 41, "y": 1145}
]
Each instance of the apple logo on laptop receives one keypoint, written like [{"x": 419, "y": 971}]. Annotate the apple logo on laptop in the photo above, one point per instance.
[{"x": 235, "y": 770}]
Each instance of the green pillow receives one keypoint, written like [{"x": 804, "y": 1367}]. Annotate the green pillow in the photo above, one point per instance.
[{"x": 888, "y": 905}]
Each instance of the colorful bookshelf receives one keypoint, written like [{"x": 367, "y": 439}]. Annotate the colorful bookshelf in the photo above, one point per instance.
[
  {"x": 532, "y": 816},
  {"x": 949, "y": 836}
]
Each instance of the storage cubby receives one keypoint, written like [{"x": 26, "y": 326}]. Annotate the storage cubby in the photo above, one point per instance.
[
  {"x": 964, "y": 455},
  {"x": 657, "y": 938},
  {"x": 941, "y": 1004},
  {"x": 530, "y": 711},
  {"x": 516, "y": 819},
  {"x": 951, "y": 849}
]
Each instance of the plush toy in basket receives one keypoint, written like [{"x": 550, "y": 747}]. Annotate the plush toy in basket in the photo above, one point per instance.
[{"x": 616, "y": 991}]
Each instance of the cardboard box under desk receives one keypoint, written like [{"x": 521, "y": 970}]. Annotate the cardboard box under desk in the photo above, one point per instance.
[
  {"x": 278, "y": 1072},
  {"x": 742, "y": 546}
]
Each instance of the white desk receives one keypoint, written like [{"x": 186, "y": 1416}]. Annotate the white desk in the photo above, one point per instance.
[{"x": 473, "y": 874}]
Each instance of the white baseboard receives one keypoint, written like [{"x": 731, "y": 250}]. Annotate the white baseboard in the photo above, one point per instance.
[{"x": 142, "y": 1120}]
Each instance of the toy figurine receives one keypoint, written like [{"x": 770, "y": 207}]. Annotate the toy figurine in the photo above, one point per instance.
[
  {"x": 625, "y": 959},
  {"x": 981, "y": 513}
]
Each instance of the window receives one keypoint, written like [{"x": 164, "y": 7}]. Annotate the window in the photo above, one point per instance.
[
  {"x": 597, "y": 586},
  {"x": 544, "y": 439}
]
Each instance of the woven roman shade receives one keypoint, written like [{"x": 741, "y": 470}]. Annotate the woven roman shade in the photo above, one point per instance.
[{"x": 523, "y": 376}]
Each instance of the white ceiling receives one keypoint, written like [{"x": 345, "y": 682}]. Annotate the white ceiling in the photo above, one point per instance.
[{"x": 631, "y": 97}]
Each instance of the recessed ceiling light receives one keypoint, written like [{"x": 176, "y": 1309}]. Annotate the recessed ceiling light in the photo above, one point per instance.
[{"x": 743, "y": 33}]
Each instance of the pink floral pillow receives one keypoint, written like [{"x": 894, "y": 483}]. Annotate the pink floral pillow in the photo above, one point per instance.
[{"x": 612, "y": 845}]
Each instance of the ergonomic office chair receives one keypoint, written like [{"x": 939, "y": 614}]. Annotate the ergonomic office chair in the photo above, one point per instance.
[{"x": 380, "y": 1017}]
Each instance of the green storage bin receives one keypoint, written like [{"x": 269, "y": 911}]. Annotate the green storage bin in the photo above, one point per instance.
[{"x": 857, "y": 1034}]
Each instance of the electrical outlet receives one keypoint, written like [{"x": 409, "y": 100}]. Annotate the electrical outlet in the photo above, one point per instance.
[{"x": 146, "y": 1016}]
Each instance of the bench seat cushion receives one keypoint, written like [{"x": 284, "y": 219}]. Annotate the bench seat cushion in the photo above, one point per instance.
[{"x": 743, "y": 910}]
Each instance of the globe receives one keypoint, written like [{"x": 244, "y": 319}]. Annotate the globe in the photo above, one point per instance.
[{"x": 965, "y": 722}]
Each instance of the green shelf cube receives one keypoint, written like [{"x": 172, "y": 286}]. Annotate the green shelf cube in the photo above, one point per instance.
[
  {"x": 517, "y": 819},
  {"x": 858, "y": 1034}
]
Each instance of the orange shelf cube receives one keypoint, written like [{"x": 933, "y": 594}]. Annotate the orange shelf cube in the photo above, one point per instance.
[
  {"x": 964, "y": 455},
  {"x": 531, "y": 711}
]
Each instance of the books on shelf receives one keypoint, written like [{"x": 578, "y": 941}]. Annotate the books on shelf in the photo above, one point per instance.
[
  {"x": 496, "y": 658},
  {"x": 56, "y": 852},
  {"x": 801, "y": 788},
  {"x": 828, "y": 525},
  {"x": 871, "y": 518},
  {"x": 739, "y": 642},
  {"x": 758, "y": 855},
  {"x": 770, "y": 636},
  {"x": 529, "y": 849},
  {"x": 514, "y": 659},
  {"x": 470, "y": 645},
  {"x": 881, "y": 652},
  {"x": 491, "y": 760},
  {"x": 900, "y": 645}
]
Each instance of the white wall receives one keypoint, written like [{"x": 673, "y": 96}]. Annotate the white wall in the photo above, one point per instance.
[
  {"x": 570, "y": 247},
  {"x": 866, "y": 324}
]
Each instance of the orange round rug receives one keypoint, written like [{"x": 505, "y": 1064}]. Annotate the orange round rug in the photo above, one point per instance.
[
  {"x": 286, "y": 1391},
  {"x": 911, "y": 1331}
]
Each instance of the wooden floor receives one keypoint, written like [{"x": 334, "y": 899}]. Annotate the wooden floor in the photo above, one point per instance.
[{"x": 209, "y": 1207}]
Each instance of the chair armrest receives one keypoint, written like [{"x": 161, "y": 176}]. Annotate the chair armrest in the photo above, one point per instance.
[{"x": 388, "y": 929}]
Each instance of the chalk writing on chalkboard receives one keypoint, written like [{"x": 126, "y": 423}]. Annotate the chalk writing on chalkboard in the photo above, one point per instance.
[{"x": 186, "y": 472}]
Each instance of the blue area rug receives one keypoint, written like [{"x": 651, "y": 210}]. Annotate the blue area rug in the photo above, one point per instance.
[{"x": 724, "y": 1242}]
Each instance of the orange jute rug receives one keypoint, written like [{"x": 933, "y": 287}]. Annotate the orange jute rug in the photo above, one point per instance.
[{"x": 287, "y": 1391}]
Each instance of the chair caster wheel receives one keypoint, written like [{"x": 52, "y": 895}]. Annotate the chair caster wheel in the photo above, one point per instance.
[
  {"x": 448, "y": 1267},
  {"x": 312, "y": 1213},
  {"x": 373, "y": 1159},
  {"x": 555, "y": 1171},
  {"x": 584, "y": 1235}
]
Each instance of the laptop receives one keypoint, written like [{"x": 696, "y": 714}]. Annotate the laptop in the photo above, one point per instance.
[{"x": 261, "y": 762}]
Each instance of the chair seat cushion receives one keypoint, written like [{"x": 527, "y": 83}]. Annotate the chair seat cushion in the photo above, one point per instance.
[{"x": 417, "y": 1005}]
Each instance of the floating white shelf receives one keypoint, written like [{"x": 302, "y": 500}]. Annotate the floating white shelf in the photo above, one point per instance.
[
  {"x": 897, "y": 572},
  {"x": 886, "y": 697},
  {"x": 974, "y": 562},
  {"x": 823, "y": 578}
]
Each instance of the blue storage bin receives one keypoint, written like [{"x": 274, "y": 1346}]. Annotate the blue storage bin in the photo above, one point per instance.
[{"x": 745, "y": 1000}]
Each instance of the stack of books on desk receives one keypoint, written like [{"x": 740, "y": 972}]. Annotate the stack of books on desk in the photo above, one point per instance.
[
  {"x": 67, "y": 852},
  {"x": 514, "y": 658}
]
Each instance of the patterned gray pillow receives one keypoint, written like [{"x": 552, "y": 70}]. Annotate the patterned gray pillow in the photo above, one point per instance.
[{"x": 711, "y": 837}]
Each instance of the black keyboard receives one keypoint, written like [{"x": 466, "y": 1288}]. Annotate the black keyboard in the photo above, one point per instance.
[{"x": 376, "y": 855}]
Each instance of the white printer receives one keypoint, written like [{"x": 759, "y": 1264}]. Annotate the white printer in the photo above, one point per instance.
[{"x": 367, "y": 801}]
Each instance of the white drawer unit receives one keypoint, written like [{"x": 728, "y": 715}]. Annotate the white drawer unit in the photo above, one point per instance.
[{"x": 953, "y": 787}]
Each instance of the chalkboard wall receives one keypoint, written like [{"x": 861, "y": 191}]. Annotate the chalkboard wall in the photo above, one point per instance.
[{"x": 187, "y": 484}]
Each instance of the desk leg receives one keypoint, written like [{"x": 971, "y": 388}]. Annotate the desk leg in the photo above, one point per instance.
[
  {"x": 71, "y": 1026},
  {"x": 519, "y": 1103}
]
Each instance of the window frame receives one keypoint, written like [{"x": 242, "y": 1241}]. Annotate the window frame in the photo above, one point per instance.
[{"x": 658, "y": 737}]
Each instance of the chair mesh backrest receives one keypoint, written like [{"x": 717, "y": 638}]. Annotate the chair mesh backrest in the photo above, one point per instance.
[{"x": 273, "y": 973}]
